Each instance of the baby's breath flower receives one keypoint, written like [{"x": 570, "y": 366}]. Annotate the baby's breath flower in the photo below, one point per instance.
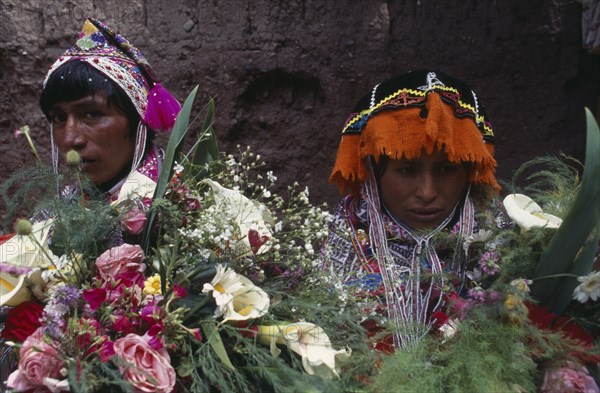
[{"x": 178, "y": 168}]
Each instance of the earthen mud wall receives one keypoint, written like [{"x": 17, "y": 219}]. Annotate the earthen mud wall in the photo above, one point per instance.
[{"x": 285, "y": 74}]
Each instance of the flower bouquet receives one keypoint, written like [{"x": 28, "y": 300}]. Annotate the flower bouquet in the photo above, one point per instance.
[
  {"x": 205, "y": 281},
  {"x": 209, "y": 281}
]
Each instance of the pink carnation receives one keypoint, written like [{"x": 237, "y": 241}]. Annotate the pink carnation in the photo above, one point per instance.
[
  {"x": 94, "y": 297},
  {"x": 570, "y": 378},
  {"x": 147, "y": 369},
  {"x": 39, "y": 364},
  {"x": 126, "y": 258},
  {"x": 134, "y": 221}
]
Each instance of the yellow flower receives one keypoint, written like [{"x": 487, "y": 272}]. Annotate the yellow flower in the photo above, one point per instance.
[
  {"x": 511, "y": 302},
  {"x": 152, "y": 285},
  {"x": 516, "y": 311},
  {"x": 521, "y": 285}
]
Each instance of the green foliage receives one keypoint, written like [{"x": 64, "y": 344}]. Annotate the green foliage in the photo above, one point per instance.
[
  {"x": 483, "y": 356},
  {"x": 23, "y": 188},
  {"x": 88, "y": 228},
  {"x": 96, "y": 377},
  {"x": 548, "y": 180},
  {"x": 520, "y": 253}
]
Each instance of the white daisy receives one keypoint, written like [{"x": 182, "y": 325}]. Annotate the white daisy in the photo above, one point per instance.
[{"x": 589, "y": 287}]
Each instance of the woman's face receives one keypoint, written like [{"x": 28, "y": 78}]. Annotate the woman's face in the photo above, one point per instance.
[
  {"x": 99, "y": 132},
  {"x": 422, "y": 192}
]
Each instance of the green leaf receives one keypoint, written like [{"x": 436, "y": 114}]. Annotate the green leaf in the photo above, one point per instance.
[
  {"x": 201, "y": 272},
  {"x": 174, "y": 146},
  {"x": 198, "y": 306},
  {"x": 569, "y": 251},
  {"x": 214, "y": 340},
  {"x": 206, "y": 149}
]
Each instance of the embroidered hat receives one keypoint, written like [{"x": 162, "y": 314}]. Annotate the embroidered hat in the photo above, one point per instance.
[
  {"x": 420, "y": 110},
  {"x": 114, "y": 56}
]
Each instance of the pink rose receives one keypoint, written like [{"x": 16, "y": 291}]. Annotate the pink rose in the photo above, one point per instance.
[
  {"x": 126, "y": 258},
  {"x": 570, "y": 378},
  {"x": 39, "y": 363},
  {"x": 134, "y": 221},
  {"x": 147, "y": 369}
]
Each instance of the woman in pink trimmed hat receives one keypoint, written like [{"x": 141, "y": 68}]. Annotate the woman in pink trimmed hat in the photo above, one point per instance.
[{"x": 103, "y": 101}]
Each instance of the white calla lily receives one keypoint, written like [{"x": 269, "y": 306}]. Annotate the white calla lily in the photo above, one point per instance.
[
  {"x": 307, "y": 340},
  {"x": 237, "y": 298},
  {"x": 248, "y": 302},
  {"x": 527, "y": 214},
  {"x": 26, "y": 252},
  {"x": 246, "y": 213},
  {"x": 136, "y": 185}
]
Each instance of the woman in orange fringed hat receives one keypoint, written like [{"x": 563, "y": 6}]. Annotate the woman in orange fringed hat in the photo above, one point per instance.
[{"x": 416, "y": 155}]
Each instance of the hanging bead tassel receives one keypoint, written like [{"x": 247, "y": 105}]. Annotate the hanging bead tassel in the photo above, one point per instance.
[{"x": 162, "y": 109}]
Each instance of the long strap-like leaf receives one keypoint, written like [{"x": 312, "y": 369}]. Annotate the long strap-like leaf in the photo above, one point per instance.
[
  {"x": 214, "y": 340},
  {"x": 571, "y": 251},
  {"x": 178, "y": 134},
  {"x": 207, "y": 151}
]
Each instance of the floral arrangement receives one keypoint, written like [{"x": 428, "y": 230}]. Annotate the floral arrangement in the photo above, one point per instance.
[
  {"x": 206, "y": 281},
  {"x": 209, "y": 281}
]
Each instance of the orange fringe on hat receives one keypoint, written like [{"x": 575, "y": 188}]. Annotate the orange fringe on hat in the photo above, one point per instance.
[{"x": 404, "y": 133}]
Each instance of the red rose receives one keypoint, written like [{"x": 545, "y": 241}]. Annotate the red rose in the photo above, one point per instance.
[
  {"x": 22, "y": 321},
  {"x": 5, "y": 238}
]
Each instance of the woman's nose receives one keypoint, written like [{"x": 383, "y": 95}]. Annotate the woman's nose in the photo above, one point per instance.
[
  {"x": 427, "y": 187},
  {"x": 73, "y": 135}
]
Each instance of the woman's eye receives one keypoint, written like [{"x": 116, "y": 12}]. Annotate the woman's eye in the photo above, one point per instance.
[
  {"x": 58, "y": 118},
  {"x": 406, "y": 171},
  {"x": 93, "y": 114},
  {"x": 447, "y": 169}
]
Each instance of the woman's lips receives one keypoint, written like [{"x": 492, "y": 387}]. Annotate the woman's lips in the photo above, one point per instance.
[
  {"x": 86, "y": 163},
  {"x": 425, "y": 214}
]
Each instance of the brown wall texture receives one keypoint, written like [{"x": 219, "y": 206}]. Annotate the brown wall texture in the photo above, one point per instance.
[{"x": 285, "y": 74}]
